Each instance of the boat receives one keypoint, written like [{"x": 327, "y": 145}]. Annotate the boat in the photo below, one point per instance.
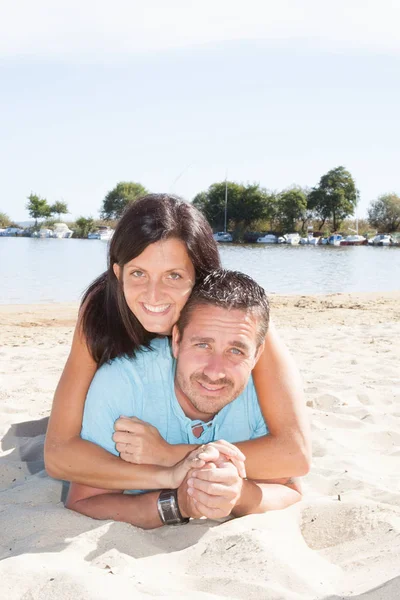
[
  {"x": 335, "y": 239},
  {"x": 310, "y": 240},
  {"x": 102, "y": 233},
  {"x": 354, "y": 240},
  {"x": 293, "y": 239},
  {"x": 61, "y": 230},
  {"x": 222, "y": 236},
  {"x": 382, "y": 239},
  {"x": 45, "y": 233},
  {"x": 270, "y": 238}
]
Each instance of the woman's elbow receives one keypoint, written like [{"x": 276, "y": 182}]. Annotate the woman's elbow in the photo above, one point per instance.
[
  {"x": 301, "y": 460},
  {"x": 53, "y": 460}
]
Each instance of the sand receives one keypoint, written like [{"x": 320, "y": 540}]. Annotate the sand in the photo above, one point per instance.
[{"x": 342, "y": 541}]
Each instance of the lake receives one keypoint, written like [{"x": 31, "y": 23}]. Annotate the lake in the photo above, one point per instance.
[{"x": 52, "y": 270}]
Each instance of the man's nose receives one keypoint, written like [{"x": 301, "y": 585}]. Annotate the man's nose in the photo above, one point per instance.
[{"x": 214, "y": 368}]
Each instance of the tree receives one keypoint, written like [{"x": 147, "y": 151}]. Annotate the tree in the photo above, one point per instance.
[
  {"x": 38, "y": 208},
  {"x": 5, "y": 220},
  {"x": 384, "y": 213},
  {"x": 245, "y": 205},
  {"x": 118, "y": 198},
  {"x": 335, "y": 197},
  {"x": 84, "y": 225},
  {"x": 291, "y": 208},
  {"x": 59, "y": 208}
]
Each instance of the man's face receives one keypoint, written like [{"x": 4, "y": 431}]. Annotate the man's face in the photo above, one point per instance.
[{"x": 215, "y": 357}]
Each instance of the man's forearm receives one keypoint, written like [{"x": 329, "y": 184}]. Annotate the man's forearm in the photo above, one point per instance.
[
  {"x": 139, "y": 510},
  {"x": 262, "y": 497}
]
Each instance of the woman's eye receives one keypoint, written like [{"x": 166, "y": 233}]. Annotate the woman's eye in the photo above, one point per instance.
[
  {"x": 137, "y": 273},
  {"x": 175, "y": 276}
]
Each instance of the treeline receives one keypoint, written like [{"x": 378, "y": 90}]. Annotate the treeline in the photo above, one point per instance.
[{"x": 247, "y": 207}]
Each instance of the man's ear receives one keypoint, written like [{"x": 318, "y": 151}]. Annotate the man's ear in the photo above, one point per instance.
[
  {"x": 176, "y": 338},
  {"x": 117, "y": 270},
  {"x": 259, "y": 352}
]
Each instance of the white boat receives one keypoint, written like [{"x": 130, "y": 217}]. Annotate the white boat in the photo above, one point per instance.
[
  {"x": 270, "y": 238},
  {"x": 382, "y": 239},
  {"x": 45, "y": 233},
  {"x": 61, "y": 230},
  {"x": 222, "y": 236},
  {"x": 354, "y": 240},
  {"x": 335, "y": 239},
  {"x": 101, "y": 233},
  {"x": 324, "y": 241},
  {"x": 310, "y": 240},
  {"x": 293, "y": 239}
]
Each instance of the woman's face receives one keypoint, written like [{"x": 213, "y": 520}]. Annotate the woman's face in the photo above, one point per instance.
[{"x": 157, "y": 284}]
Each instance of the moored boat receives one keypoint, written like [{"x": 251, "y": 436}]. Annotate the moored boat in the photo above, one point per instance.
[
  {"x": 354, "y": 240},
  {"x": 381, "y": 239},
  {"x": 222, "y": 236},
  {"x": 61, "y": 230},
  {"x": 335, "y": 239}
]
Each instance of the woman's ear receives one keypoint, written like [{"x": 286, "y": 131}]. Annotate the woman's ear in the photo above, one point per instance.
[
  {"x": 117, "y": 270},
  {"x": 175, "y": 341}
]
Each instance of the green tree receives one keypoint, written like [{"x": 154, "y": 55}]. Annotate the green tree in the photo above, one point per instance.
[
  {"x": 38, "y": 208},
  {"x": 291, "y": 207},
  {"x": 245, "y": 205},
  {"x": 59, "y": 208},
  {"x": 384, "y": 213},
  {"x": 119, "y": 197},
  {"x": 83, "y": 226},
  {"x": 5, "y": 220},
  {"x": 335, "y": 197}
]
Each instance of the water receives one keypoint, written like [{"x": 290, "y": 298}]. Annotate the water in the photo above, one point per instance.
[{"x": 47, "y": 270}]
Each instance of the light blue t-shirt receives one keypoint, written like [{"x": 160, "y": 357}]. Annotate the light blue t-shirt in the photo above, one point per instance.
[{"x": 143, "y": 387}]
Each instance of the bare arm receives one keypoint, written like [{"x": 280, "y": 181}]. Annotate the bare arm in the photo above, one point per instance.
[
  {"x": 286, "y": 451},
  {"x": 69, "y": 457},
  {"x": 212, "y": 491}
]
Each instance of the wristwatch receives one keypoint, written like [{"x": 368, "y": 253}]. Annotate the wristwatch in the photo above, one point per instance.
[{"x": 168, "y": 509}]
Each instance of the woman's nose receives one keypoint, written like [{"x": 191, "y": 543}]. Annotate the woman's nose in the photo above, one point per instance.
[{"x": 154, "y": 291}]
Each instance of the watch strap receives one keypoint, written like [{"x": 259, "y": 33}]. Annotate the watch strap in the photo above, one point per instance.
[{"x": 168, "y": 508}]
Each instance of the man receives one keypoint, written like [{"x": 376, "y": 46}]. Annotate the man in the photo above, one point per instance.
[{"x": 205, "y": 394}]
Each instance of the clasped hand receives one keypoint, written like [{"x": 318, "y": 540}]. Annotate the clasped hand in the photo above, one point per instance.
[{"x": 209, "y": 479}]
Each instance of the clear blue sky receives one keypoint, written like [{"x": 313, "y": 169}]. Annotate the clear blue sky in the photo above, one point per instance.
[{"x": 273, "y": 92}]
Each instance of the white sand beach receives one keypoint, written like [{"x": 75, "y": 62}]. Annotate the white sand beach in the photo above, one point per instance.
[{"x": 342, "y": 541}]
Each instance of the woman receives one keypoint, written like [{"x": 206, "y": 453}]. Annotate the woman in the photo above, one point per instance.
[{"x": 160, "y": 247}]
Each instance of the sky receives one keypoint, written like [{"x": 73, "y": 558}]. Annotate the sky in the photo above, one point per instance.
[{"x": 178, "y": 95}]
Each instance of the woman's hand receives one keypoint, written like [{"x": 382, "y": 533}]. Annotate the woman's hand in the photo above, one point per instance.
[{"x": 140, "y": 443}]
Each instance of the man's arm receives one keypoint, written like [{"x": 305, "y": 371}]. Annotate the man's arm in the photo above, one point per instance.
[
  {"x": 219, "y": 492},
  {"x": 139, "y": 510}
]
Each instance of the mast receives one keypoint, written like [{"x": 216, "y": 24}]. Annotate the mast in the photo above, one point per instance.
[{"x": 226, "y": 202}]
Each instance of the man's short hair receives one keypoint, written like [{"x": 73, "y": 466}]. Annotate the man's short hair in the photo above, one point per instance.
[{"x": 230, "y": 290}]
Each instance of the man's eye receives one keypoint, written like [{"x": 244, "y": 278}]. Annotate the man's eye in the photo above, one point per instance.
[
  {"x": 236, "y": 351},
  {"x": 202, "y": 345}
]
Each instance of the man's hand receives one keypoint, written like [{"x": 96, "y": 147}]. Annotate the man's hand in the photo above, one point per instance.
[
  {"x": 140, "y": 443},
  {"x": 215, "y": 490}
]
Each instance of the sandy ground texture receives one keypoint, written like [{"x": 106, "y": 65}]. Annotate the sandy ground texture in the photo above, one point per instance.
[{"x": 342, "y": 541}]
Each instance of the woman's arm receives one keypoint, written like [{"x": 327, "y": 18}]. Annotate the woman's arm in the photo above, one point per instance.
[
  {"x": 286, "y": 451},
  {"x": 69, "y": 457}
]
